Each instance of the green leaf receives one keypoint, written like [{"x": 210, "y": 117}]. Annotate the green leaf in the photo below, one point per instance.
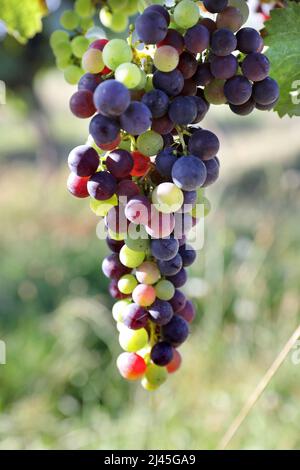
[
  {"x": 23, "y": 18},
  {"x": 283, "y": 39}
]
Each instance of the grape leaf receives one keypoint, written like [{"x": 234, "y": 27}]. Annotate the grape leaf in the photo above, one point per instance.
[
  {"x": 283, "y": 39},
  {"x": 23, "y": 18}
]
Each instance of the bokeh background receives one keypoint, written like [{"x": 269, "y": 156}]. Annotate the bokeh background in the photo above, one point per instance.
[{"x": 60, "y": 388}]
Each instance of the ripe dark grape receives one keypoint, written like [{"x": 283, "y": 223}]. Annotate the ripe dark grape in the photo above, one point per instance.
[
  {"x": 190, "y": 198},
  {"x": 238, "y": 90},
  {"x": 223, "y": 67},
  {"x": 188, "y": 312},
  {"x": 170, "y": 267},
  {"x": 209, "y": 24},
  {"x": 265, "y": 107},
  {"x": 187, "y": 65},
  {"x": 256, "y": 67},
  {"x": 151, "y": 27},
  {"x": 164, "y": 162},
  {"x": 83, "y": 160},
  {"x": 113, "y": 268},
  {"x": 215, "y": 6},
  {"x": 183, "y": 110},
  {"x": 82, "y": 105},
  {"x": 104, "y": 129},
  {"x": 114, "y": 245},
  {"x": 189, "y": 173},
  {"x": 180, "y": 278},
  {"x": 223, "y": 42},
  {"x": 135, "y": 317},
  {"x": 204, "y": 144},
  {"x": 187, "y": 252},
  {"x": 189, "y": 88},
  {"x": 161, "y": 10},
  {"x": 230, "y": 18},
  {"x": 176, "y": 331},
  {"x": 169, "y": 82},
  {"x": 89, "y": 81},
  {"x": 137, "y": 118},
  {"x": 202, "y": 109},
  {"x": 197, "y": 39},
  {"x": 174, "y": 39},
  {"x": 161, "y": 312},
  {"x": 178, "y": 301},
  {"x": 213, "y": 169},
  {"x": 265, "y": 92},
  {"x": 77, "y": 185},
  {"x": 157, "y": 101},
  {"x": 175, "y": 364},
  {"x": 162, "y": 353},
  {"x": 203, "y": 75},
  {"x": 248, "y": 40},
  {"x": 127, "y": 188},
  {"x": 243, "y": 109},
  {"x": 119, "y": 163},
  {"x": 111, "y": 98},
  {"x": 102, "y": 186},
  {"x": 163, "y": 125},
  {"x": 164, "y": 249}
]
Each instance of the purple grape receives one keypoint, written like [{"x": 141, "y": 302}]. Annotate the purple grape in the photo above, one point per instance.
[
  {"x": 151, "y": 27},
  {"x": 164, "y": 249},
  {"x": 164, "y": 162},
  {"x": 83, "y": 160},
  {"x": 212, "y": 168},
  {"x": 170, "y": 267},
  {"x": 266, "y": 92},
  {"x": 157, "y": 101},
  {"x": 243, "y": 109},
  {"x": 174, "y": 39},
  {"x": 215, "y": 6},
  {"x": 127, "y": 189},
  {"x": 180, "y": 278},
  {"x": 265, "y": 107},
  {"x": 113, "y": 268},
  {"x": 248, "y": 40},
  {"x": 204, "y": 144},
  {"x": 189, "y": 88},
  {"x": 104, "y": 130},
  {"x": 111, "y": 98},
  {"x": 161, "y": 10},
  {"x": 168, "y": 141},
  {"x": 102, "y": 186},
  {"x": 89, "y": 81},
  {"x": 161, "y": 312},
  {"x": 170, "y": 82},
  {"x": 163, "y": 125},
  {"x": 135, "y": 317},
  {"x": 197, "y": 39},
  {"x": 223, "y": 68},
  {"x": 190, "y": 198},
  {"x": 82, "y": 105},
  {"x": 223, "y": 42},
  {"x": 178, "y": 301},
  {"x": 203, "y": 75},
  {"x": 189, "y": 173},
  {"x": 114, "y": 245},
  {"x": 162, "y": 353},
  {"x": 188, "y": 313},
  {"x": 188, "y": 254},
  {"x": 238, "y": 90},
  {"x": 256, "y": 67},
  {"x": 202, "y": 109},
  {"x": 183, "y": 110},
  {"x": 137, "y": 118},
  {"x": 176, "y": 331},
  {"x": 187, "y": 65},
  {"x": 119, "y": 163}
]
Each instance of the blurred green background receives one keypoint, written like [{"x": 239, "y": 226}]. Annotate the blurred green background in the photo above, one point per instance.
[{"x": 60, "y": 388}]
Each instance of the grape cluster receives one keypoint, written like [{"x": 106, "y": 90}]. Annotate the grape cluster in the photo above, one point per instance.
[{"x": 147, "y": 162}]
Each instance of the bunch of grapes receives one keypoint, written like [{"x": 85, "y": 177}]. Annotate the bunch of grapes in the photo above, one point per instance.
[{"x": 147, "y": 161}]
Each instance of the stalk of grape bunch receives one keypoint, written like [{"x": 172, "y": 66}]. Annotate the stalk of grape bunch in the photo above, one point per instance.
[{"x": 147, "y": 161}]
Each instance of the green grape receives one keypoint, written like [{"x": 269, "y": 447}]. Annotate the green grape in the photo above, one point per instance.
[
  {"x": 57, "y": 37},
  {"x": 79, "y": 46},
  {"x": 186, "y": 14},
  {"x": 84, "y": 8},
  {"x": 148, "y": 385},
  {"x": 131, "y": 258},
  {"x": 92, "y": 61},
  {"x": 156, "y": 375},
  {"x": 125, "y": 145},
  {"x": 63, "y": 50},
  {"x": 116, "y": 52},
  {"x": 214, "y": 92},
  {"x": 127, "y": 284},
  {"x": 149, "y": 83},
  {"x": 143, "y": 81},
  {"x": 119, "y": 308},
  {"x": 137, "y": 241},
  {"x": 242, "y": 6},
  {"x": 133, "y": 340},
  {"x": 129, "y": 74},
  {"x": 165, "y": 290},
  {"x": 116, "y": 21},
  {"x": 73, "y": 74},
  {"x": 130, "y": 7},
  {"x": 196, "y": 211},
  {"x": 101, "y": 208},
  {"x": 166, "y": 58},
  {"x": 117, "y": 5},
  {"x": 150, "y": 143},
  {"x": 62, "y": 64},
  {"x": 69, "y": 19},
  {"x": 167, "y": 198},
  {"x": 86, "y": 24}
]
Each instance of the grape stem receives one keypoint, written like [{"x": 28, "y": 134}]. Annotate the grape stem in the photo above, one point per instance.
[{"x": 180, "y": 135}]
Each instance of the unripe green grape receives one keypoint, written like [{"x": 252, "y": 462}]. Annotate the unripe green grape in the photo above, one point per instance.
[
  {"x": 165, "y": 290},
  {"x": 186, "y": 14},
  {"x": 133, "y": 340},
  {"x": 167, "y": 198},
  {"x": 131, "y": 258},
  {"x": 117, "y": 5},
  {"x": 73, "y": 74},
  {"x": 63, "y": 50},
  {"x": 116, "y": 21},
  {"x": 129, "y": 74},
  {"x": 148, "y": 386},
  {"x": 142, "y": 4},
  {"x": 196, "y": 211},
  {"x": 214, "y": 92},
  {"x": 69, "y": 19},
  {"x": 125, "y": 145},
  {"x": 62, "y": 64},
  {"x": 142, "y": 82},
  {"x": 79, "y": 46},
  {"x": 118, "y": 309},
  {"x": 156, "y": 375},
  {"x": 131, "y": 7},
  {"x": 92, "y": 61},
  {"x": 140, "y": 243},
  {"x": 116, "y": 52},
  {"x": 101, "y": 208},
  {"x": 127, "y": 284},
  {"x": 57, "y": 37},
  {"x": 86, "y": 24},
  {"x": 150, "y": 143},
  {"x": 84, "y": 8},
  {"x": 166, "y": 58}
]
